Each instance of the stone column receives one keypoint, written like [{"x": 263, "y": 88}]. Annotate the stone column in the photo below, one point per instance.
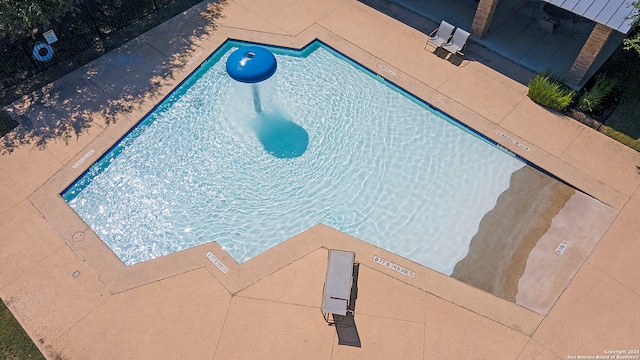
[
  {"x": 482, "y": 19},
  {"x": 588, "y": 54}
]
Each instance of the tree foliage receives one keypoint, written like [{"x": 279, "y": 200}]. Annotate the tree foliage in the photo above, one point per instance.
[
  {"x": 25, "y": 16},
  {"x": 632, "y": 42}
]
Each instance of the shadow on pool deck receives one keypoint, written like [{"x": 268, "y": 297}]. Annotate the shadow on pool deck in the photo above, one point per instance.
[
  {"x": 100, "y": 93},
  {"x": 346, "y": 329},
  {"x": 474, "y": 51}
]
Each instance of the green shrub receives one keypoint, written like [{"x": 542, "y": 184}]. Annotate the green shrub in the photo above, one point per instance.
[
  {"x": 548, "y": 91},
  {"x": 591, "y": 100}
]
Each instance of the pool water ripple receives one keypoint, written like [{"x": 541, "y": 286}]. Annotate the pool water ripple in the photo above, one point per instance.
[{"x": 379, "y": 166}]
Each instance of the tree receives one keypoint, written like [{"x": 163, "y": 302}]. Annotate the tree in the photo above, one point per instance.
[
  {"x": 632, "y": 42},
  {"x": 26, "y": 16}
]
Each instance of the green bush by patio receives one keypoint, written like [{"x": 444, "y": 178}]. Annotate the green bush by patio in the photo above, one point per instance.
[
  {"x": 591, "y": 100},
  {"x": 550, "y": 92}
]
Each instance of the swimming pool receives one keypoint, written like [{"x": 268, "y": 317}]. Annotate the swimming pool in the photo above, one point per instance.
[{"x": 380, "y": 165}]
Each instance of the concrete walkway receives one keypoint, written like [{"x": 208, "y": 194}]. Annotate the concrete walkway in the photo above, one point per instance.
[{"x": 78, "y": 301}]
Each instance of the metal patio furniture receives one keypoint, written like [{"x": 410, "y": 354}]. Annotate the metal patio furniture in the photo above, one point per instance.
[
  {"x": 337, "y": 285},
  {"x": 441, "y": 35},
  {"x": 457, "y": 43}
]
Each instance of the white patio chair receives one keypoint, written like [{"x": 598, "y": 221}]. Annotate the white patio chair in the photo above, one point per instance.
[
  {"x": 338, "y": 280},
  {"x": 441, "y": 35},
  {"x": 457, "y": 43}
]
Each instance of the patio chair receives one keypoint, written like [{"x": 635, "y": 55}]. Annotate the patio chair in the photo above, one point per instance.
[
  {"x": 441, "y": 35},
  {"x": 549, "y": 24},
  {"x": 457, "y": 43},
  {"x": 337, "y": 285}
]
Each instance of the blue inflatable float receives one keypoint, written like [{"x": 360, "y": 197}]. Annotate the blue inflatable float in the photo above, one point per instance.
[
  {"x": 280, "y": 136},
  {"x": 251, "y": 64}
]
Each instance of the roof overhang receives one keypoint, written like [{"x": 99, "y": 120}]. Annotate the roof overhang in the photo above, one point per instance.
[{"x": 616, "y": 14}]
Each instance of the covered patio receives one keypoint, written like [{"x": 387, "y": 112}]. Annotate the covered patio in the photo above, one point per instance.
[{"x": 568, "y": 38}]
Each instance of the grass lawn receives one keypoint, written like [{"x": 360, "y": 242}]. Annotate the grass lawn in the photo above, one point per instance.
[
  {"x": 624, "y": 123},
  {"x": 15, "y": 344}
]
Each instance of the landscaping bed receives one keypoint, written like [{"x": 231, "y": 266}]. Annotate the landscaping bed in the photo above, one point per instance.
[{"x": 609, "y": 102}]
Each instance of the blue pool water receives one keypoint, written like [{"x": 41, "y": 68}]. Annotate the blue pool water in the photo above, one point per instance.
[{"x": 379, "y": 165}]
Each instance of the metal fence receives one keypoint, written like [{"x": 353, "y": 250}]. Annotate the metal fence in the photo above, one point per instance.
[{"x": 30, "y": 55}]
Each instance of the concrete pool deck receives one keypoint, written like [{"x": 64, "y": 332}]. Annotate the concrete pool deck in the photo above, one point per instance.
[{"x": 78, "y": 301}]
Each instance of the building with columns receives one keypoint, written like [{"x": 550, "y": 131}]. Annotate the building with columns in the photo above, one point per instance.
[
  {"x": 569, "y": 38},
  {"x": 609, "y": 17}
]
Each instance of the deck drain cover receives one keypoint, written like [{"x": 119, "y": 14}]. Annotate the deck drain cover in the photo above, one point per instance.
[
  {"x": 76, "y": 274},
  {"x": 78, "y": 236}
]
